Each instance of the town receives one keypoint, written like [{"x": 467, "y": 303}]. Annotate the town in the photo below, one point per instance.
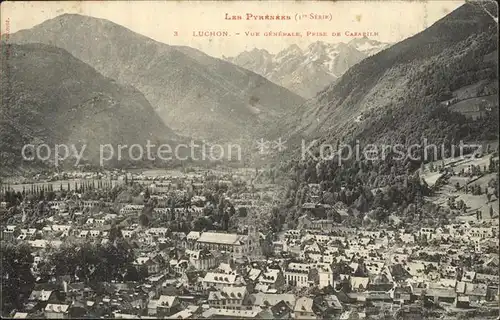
[{"x": 201, "y": 243}]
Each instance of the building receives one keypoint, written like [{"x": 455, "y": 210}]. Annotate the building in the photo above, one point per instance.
[
  {"x": 298, "y": 275},
  {"x": 167, "y": 305},
  {"x": 201, "y": 259},
  {"x": 221, "y": 280},
  {"x": 304, "y": 309},
  {"x": 238, "y": 246},
  {"x": 56, "y": 311},
  {"x": 273, "y": 278},
  {"x": 228, "y": 298}
]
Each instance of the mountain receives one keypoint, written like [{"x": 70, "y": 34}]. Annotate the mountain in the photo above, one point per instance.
[
  {"x": 368, "y": 46},
  {"x": 49, "y": 96},
  {"x": 308, "y": 71},
  {"x": 195, "y": 94},
  {"x": 363, "y": 140},
  {"x": 399, "y": 94}
]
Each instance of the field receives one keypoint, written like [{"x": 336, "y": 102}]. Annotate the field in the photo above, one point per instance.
[{"x": 474, "y": 203}]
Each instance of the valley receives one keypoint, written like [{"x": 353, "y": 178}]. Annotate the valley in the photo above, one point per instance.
[{"x": 391, "y": 212}]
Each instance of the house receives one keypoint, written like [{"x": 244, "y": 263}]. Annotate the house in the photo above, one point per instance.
[
  {"x": 434, "y": 291},
  {"x": 269, "y": 299},
  {"x": 252, "y": 275},
  {"x": 293, "y": 234},
  {"x": 153, "y": 266},
  {"x": 298, "y": 274},
  {"x": 130, "y": 208},
  {"x": 401, "y": 294},
  {"x": 201, "y": 259},
  {"x": 179, "y": 266},
  {"x": 87, "y": 204},
  {"x": 41, "y": 298},
  {"x": 462, "y": 302},
  {"x": 183, "y": 314},
  {"x": 192, "y": 280},
  {"x": 167, "y": 305},
  {"x": 441, "y": 294},
  {"x": 407, "y": 238},
  {"x": 152, "y": 307},
  {"x": 56, "y": 311},
  {"x": 61, "y": 228},
  {"x": 304, "y": 308},
  {"x": 20, "y": 315},
  {"x": 41, "y": 244},
  {"x": 228, "y": 297},
  {"x": 180, "y": 239},
  {"x": 324, "y": 274},
  {"x": 127, "y": 234},
  {"x": 327, "y": 305},
  {"x": 273, "y": 278},
  {"x": 427, "y": 233},
  {"x": 476, "y": 292},
  {"x": 191, "y": 239},
  {"x": 359, "y": 284},
  {"x": 483, "y": 233},
  {"x": 159, "y": 232},
  {"x": 469, "y": 276},
  {"x": 281, "y": 310},
  {"x": 487, "y": 278},
  {"x": 308, "y": 223},
  {"x": 221, "y": 280},
  {"x": 226, "y": 268}
]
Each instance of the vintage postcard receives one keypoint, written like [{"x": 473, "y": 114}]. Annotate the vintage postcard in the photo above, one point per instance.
[{"x": 249, "y": 159}]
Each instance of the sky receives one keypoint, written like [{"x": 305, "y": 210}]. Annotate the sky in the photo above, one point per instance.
[{"x": 173, "y": 22}]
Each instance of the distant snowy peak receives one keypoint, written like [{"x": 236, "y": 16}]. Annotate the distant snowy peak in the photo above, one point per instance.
[
  {"x": 307, "y": 71},
  {"x": 368, "y": 46},
  {"x": 259, "y": 61},
  {"x": 290, "y": 53}
]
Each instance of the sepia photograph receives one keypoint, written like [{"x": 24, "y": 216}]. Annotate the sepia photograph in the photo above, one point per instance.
[{"x": 249, "y": 160}]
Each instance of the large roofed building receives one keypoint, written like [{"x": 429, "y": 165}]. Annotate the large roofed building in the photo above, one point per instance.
[{"x": 237, "y": 245}]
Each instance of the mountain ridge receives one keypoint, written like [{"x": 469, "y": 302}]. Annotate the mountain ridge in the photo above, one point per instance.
[
  {"x": 195, "y": 94},
  {"x": 383, "y": 79}
]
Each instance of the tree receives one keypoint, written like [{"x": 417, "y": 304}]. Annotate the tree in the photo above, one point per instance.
[
  {"x": 114, "y": 233},
  {"x": 17, "y": 280},
  {"x": 232, "y": 211},
  {"x": 144, "y": 220},
  {"x": 225, "y": 221},
  {"x": 91, "y": 262}
]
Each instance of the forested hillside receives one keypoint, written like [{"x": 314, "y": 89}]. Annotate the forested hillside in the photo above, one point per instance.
[
  {"x": 50, "y": 97},
  {"x": 399, "y": 96}
]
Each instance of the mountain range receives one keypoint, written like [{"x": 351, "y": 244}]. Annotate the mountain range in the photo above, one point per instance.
[
  {"x": 77, "y": 79},
  {"x": 402, "y": 94},
  {"x": 307, "y": 71},
  {"x": 196, "y": 95},
  {"x": 50, "y": 97}
]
